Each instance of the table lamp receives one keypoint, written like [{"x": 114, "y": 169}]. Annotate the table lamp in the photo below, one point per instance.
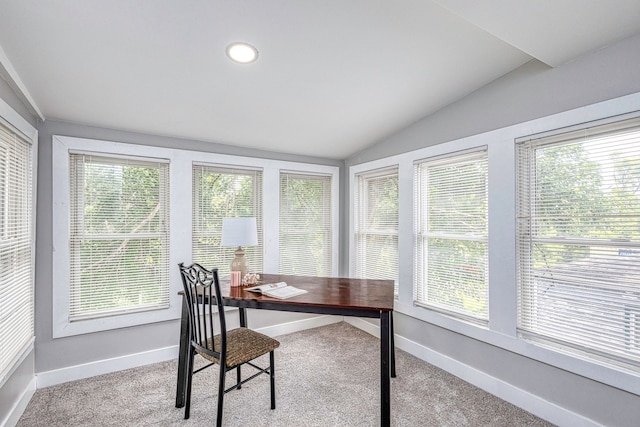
[{"x": 239, "y": 232}]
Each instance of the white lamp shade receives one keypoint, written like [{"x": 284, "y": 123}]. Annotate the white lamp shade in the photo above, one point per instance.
[{"x": 239, "y": 232}]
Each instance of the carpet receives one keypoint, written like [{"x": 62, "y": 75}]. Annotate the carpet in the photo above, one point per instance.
[{"x": 326, "y": 376}]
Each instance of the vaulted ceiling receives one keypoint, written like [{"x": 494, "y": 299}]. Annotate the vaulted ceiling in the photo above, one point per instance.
[{"x": 332, "y": 76}]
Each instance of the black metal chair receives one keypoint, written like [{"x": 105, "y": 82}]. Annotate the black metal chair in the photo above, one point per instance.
[{"x": 229, "y": 349}]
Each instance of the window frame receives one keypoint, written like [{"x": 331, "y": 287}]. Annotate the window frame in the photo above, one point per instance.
[
  {"x": 257, "y": 201},
  {"x": 580, "y": 342},
  {"x": 333, "y": 212},
  {"x": 361, "y": 210},
  {"x": 62, "y": 147},
  {"x": 77, "y": 234},
  {"x": 422, "y": 233}
]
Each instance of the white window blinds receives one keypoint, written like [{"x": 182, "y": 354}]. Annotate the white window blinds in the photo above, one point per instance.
[
  {"x": 579, "y": 241},
  {"x": 305, "y": 224},
  {"x": 220, "y": 192},
  {"x": 119, "y": 243},
  {"x": 376, "y": 225},
  {"x": 451, "y": 235},
  {"x": 16, "y": 271}
]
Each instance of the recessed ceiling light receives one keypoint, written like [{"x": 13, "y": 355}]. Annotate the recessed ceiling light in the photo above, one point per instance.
[{"x": 242, "y": 53}]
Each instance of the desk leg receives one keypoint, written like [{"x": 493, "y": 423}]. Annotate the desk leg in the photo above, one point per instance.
[
  {"x": 243, "y": 323},
  {"x": 183, "y": 354},
  {"x": 385, "y": 380},
  {"x": 243, "y": 317},
  {"x": 393, "y": 345}
]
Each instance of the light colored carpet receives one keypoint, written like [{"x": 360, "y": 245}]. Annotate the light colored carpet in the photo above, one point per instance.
[{"x": 326, "y": 376}]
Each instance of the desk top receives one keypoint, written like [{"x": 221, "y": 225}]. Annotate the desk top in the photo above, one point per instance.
[{"x": 330, "y": 292}]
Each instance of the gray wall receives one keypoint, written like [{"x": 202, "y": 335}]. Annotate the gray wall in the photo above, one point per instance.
[
  {"x": 16, "y": 385},
  {"x": 532, "y": 91},
  {"x": 59, "y": 353},
  {"x": 601, "y": 403},
  {"x": 9, "y": 96}
]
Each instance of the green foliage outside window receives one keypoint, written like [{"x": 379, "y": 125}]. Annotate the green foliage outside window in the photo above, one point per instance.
[
  {"x": 119, "y": 239},
  {"x": 583, "y": 198},
  {"x": 224, "y": 193}
]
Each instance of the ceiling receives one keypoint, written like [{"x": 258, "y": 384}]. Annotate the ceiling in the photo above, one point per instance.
[{"x": 332, "y": 77}]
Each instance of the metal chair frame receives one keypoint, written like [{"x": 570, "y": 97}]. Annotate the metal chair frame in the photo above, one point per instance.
[{"x": 203, "y": 296}]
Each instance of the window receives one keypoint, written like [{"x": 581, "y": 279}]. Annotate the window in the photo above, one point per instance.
[
  {"x": 203, "y": 188},
  {"x": 579, "y": 241},
  {"x": 119, "y": 236},
  {"x": 376, "y": 225},
  {"x": 16, "y": 263},
  {"x": 305, "y": 224},
  {"x": 220, "y": 192},
  {"x": 451, "y": 235}
]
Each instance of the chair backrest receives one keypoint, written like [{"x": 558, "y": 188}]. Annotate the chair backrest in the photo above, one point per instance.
[{"x": 202, "y": 292}]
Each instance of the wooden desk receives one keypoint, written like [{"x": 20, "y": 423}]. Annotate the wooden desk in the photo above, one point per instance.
[{"x": 337, "y": 296}]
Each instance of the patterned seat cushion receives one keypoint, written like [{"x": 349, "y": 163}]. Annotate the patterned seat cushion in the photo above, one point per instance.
[{"x": 243, "y": 345}]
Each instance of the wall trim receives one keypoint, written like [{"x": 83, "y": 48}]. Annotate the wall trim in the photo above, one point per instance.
[
  {"x": 105, "y": 366},
  {"x": 516, "y": 396},
  {"x": 299, "y": 325},
  {"x": 15, "y": 82},
  {"x": 21, "y": 404},
  {"x": 505, "y": 391}
]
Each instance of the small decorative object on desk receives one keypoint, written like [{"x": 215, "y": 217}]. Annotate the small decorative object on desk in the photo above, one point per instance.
[
  {"x": 251, "y": 278},
  {"x": 236, "y": 279}
]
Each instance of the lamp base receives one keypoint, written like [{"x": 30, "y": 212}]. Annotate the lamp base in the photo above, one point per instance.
[{"x": 240, "y": 263}]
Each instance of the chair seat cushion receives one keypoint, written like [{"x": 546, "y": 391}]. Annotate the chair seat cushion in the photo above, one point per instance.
[{"x": 243, "y": 345}]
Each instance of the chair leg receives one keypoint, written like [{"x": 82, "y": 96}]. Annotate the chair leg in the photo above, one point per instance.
[
  {"x": 223, "y": 371},
  {"x": 187, "y": 404},
  {"x": 239, "y": 377},
  {"x": 272, "y": 379}
]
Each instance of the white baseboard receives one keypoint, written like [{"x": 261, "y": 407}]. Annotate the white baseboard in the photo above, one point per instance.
[
  {"x": 105, "y": 366},
  {"x": 18, "y": 409},
  {"x": 364, "y": 325},
  {"x": 100, "y": 367},
  {"x": 299, "y": 325},
  {"x": 505, "y": 391}
]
